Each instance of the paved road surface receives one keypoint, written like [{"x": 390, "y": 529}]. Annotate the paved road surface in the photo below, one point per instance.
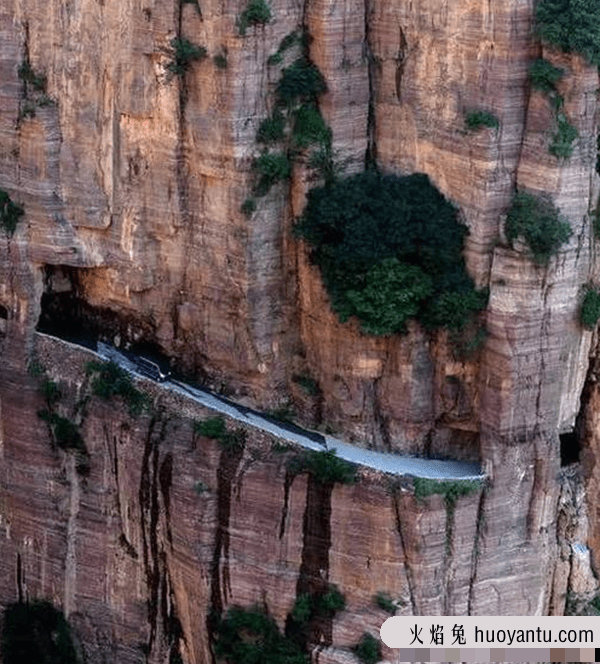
[
  {"x": 394, "y": 464},
  {"x": 389, "y": 463}
]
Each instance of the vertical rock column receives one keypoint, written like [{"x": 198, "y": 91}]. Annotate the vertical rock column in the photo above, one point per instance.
[{"x": 535, "y": 362}]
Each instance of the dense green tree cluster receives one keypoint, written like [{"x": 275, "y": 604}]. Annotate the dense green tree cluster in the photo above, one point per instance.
[
  {"x": 36, "y": 632},
  {"x": 544, "y": 75},
  {"x": 257, "y": 12},
  {"x": 310, "y": 609},
  {"x": 390, "y": 249},
  {"x": 573, "y": 26},
  {"x": 368, "y": 649},
  {"x": 475, "y": 120},
  {"x": 252, "y": 637}
]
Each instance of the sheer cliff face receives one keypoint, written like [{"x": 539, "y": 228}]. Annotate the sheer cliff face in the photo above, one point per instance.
[
  {"x": 136, "y": 183},
  {"x": 132, "y": 188}
]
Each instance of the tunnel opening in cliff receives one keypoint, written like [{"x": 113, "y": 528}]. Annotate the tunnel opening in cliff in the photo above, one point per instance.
[
  {"x": 573, "y": 441},
  {"x": 67, "y": 314},
  {"x": 570, "y": 448}
]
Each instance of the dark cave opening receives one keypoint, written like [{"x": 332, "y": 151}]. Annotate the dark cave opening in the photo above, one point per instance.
[
  {"x": 62, "y": 312},
  {"x": 3, "y": 319},
  {"x": 570, "y": 447},
  {"x": 66, "y": 314}
]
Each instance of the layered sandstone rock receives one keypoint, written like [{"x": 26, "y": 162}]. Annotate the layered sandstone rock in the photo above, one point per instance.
[
  {"x": 132, "y": 187},
  {"x": 167, "y": 526}
]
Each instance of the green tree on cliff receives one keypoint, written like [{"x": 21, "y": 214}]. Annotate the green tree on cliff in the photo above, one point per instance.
[
  {"x": 390, "y": 248},
  {"x": 573, "y": 26},
  {"x": 36, "y": 632}
]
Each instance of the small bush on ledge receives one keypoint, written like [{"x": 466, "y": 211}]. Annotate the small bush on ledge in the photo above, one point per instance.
[
  {"x": 538, "y": 222},
  {"x": 452, "y": 490},
  {"x": 270, "y": 168},
  {"x": 248, "y": 207},
  {"x": 590, "y": 307},
  {"x": 271, "y": 129},
  {"x": 325, "y": 467},
  {"x": 182, "y": 53},
  {"x": 368, "y": 649},
  {"x": 216, "y": 428},
  {"x": 220, "y": 61},
  {"x": 27, "y": 74},
  {"x": 212, "y": 427},
  {"x": 112, "y": 381},
  {"x": 385, "y": 602},
  {"x": 475, "y": 120}
]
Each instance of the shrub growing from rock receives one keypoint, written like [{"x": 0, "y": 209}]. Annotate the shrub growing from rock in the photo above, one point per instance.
[
  {"x": 310, "y": 127},
  {"x": 220, "y": 61},
  {"x": 183, "y": 53},
  {"x": 544, "y": 75},
  {"x": 10, "y": 213},
  {"x": 310, "y": 609},
  {"x": 308, "y": 384},
  {"x": 368, "y": 649},
  {"x": 537, "y": 221},
  {"x": 475, "y": 120},
  {"x": 562, "y": 140},
  {"x": 271, "y": 129},
  {"x": 212, "y": 427},
  {"x": 385, "y": 602},
  {"x": 270, "y": 168},
  {"x": 215, "y": 428},
  {"x": 326, "y": 467},
  {"x": 590, "y": 307},
  {"x": 111, "y": 381},
  {"x": 248, "y": 207},
  {"x": 27, "y": 74},
  {"x": 252, "y": 637},
  {"x": 301, "y": 81},
  {"x": 452, "y": 490}
]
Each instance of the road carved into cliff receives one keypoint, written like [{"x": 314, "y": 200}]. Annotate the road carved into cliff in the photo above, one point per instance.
[{"x": 394, "y": 464}]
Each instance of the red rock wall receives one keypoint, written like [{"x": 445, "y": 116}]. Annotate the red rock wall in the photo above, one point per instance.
[
  {"x": 138, "y": 183},
  {"x": 135, "y": 543}
]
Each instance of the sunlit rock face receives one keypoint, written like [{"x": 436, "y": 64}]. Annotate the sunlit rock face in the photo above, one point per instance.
[{"x": 132, "y": 186}]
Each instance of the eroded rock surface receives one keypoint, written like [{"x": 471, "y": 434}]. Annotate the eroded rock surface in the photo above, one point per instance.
[{"x": 132, "y": 187}]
